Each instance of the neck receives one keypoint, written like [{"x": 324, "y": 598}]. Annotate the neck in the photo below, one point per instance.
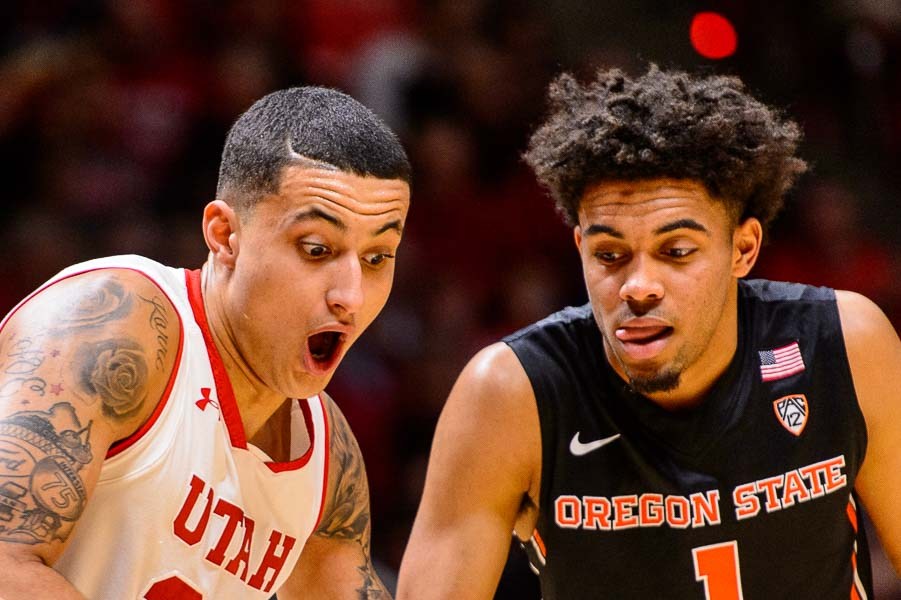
[{"x": 256, "y": 402}]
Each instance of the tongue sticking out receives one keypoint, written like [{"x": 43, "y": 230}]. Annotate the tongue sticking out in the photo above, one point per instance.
[
  {"x": 322, "y": 345},
  {"x": 641, "y": 335}
]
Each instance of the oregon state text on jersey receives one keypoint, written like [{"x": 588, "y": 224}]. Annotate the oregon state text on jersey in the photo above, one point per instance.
[
  {"x": 186, "y": 508},
  {"x": 749, "y": 496}
]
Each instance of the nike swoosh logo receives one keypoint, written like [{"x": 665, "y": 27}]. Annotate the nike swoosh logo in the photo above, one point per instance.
[{"x": 579, "y": 449}]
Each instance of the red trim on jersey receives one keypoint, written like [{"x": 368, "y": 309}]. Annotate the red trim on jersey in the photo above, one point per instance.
[
  {"x": 120, "y": 445},
  {"x": 297, "y": 463},
  {"x": 124, "y": 444},
  {"x": 328, "y": 452},
  {"x": 852, "y": 516},
  {"x": 857, "y": 590},
  {"x": 228, "y": 406},
  {"x": 540, "y": 543}
]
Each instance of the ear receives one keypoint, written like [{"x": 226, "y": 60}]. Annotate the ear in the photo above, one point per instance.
[
  {"x": 577, "y": 237},
  {"x": 746, "y": 241},
  {"x": 220, "y": 230}
]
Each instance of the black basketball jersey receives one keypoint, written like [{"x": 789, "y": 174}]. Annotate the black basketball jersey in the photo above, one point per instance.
[{"x": 747, "y": 497}]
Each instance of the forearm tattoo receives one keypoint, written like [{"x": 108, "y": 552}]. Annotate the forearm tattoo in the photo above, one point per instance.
[
  {"x": 349, "y": 517},
  {"x": 41, "y": 492}
]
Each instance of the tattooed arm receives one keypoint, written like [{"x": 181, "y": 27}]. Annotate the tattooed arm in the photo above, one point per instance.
[
  {"x": 336, "y": 562},
  {"x": 82, "y": 364}
]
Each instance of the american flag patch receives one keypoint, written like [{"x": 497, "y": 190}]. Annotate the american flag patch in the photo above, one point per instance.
[{"x": 780, "y": 363}]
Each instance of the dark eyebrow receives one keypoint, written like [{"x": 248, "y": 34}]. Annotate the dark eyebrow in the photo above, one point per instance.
[
  {"x": 315, "y": 213},
  {"x": 395, "y": 225},
  {"x": 599, "y": 229},
  {"x": 681, "y": 224}
]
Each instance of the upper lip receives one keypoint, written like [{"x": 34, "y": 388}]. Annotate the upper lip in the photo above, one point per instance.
[
  {"x": 344, "y": 329},
  {"x": 643, "y": 322}
]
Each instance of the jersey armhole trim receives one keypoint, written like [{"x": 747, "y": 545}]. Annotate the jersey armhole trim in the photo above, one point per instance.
[
  {"x": 120, "y": 446},
  {"x": 325, "y": 468}
]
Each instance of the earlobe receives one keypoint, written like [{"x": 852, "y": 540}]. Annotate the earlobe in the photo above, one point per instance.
[
  {"x": 746, "y": 242},
  {"x": 220, "y": 230}
]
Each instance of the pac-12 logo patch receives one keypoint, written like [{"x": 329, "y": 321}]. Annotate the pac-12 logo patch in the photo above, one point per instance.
[{"x": 792, "y": 412}]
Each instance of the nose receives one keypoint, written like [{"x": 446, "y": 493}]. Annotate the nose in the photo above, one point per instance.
[
  {"x": 345, "y": 295},
  {"x": 642, "y": 284}
]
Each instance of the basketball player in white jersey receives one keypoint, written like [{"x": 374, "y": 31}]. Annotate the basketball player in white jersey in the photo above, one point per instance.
[{"x": 163, "y": 432}]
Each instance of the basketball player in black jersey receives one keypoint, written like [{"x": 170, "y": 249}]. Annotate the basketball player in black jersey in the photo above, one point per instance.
[{"x": 687, "y": 434}]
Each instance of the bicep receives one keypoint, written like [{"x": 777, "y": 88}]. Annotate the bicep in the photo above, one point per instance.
[
  {"x": 485, "y": 459},
  {"x": 76, "y": 373},
  {"x": 874, "y": 353}
]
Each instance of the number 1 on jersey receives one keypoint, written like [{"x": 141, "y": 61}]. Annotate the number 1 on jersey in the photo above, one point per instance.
[{"x": 716, "y": 566}]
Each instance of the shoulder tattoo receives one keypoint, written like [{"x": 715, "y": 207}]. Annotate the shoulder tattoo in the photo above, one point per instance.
[{"x": 115, "y": 371}]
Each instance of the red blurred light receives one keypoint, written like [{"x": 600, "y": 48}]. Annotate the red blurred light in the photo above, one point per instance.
[{"x": 712, "y": 35}]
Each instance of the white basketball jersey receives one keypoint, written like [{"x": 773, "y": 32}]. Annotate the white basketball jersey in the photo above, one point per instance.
[{"x": 186, "y": 508}]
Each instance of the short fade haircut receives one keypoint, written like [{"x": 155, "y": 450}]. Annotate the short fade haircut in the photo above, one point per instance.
[
  {"x": 665, "y": 124},
  {"x": 317, "y": 126}
]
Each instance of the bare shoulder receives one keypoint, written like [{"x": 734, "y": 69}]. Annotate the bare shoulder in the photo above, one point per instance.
[
  {"x": 494, "y": 380},
  {"x": 494, "y": 387},
  {"x": 874, "y": 355},
  {"x": 491, "y": 418},
  {"x": 861, "y": 318},
  {"x": 82, "y": 364},
  {"x": 482, "y": 483},
  {"x": 106, "y": 339},
  {"x": 874, "y": 351}
]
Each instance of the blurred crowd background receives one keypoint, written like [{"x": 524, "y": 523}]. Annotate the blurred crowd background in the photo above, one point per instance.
[{"x": 113, "y": 114}]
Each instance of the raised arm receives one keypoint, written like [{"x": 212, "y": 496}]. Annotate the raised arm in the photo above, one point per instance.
[
  {"x": 82, "y": 364},
  {"x": 874, "y": 353},
  {"x": 484, "y": 474},
  {"x": 336, "y": 562}
]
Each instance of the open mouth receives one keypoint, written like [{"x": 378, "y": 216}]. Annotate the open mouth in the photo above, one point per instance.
[{"x": 324, "y": 346}]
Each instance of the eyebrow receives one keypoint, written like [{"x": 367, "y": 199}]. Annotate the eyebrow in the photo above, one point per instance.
[
  {"x": 314, "y": 213},
  {"x": 681, "y": 224},
  {"x": 395, "y": 225},
  {"x": 598, "y": 229}
]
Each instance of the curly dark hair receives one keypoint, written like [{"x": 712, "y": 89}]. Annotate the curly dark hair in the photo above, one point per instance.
[{"x": 665, "y": 124}]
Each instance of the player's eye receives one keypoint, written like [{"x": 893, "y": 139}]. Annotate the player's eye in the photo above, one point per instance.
[
  {"x": 314, "y": 250},
  {"x": 680, "y": 252},
  {"x": 608, "y": 257},
  {"x": 378, "y": 259}
]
